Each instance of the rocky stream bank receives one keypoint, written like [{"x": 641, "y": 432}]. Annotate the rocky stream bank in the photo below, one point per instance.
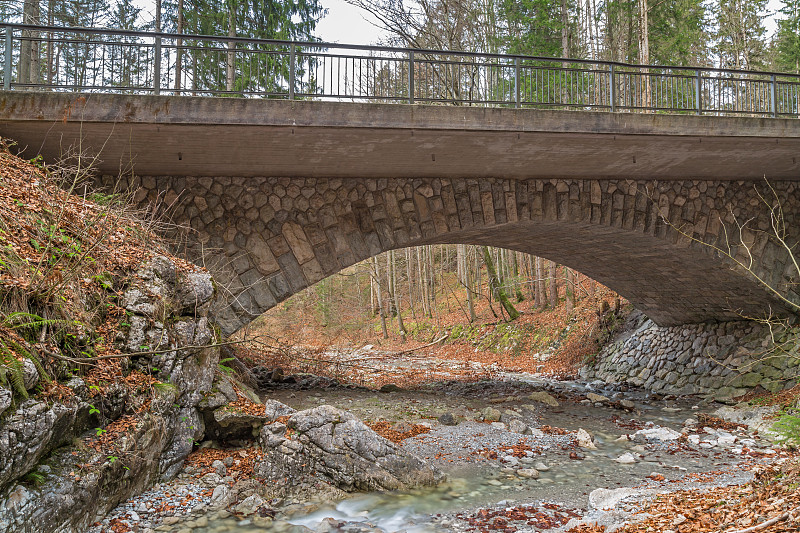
[{"x": 503, "y": 455}]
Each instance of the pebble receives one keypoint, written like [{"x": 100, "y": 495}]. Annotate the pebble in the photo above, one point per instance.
[
  {"x": 626, "y": 459},
  {"x": 530, "y": 473}
]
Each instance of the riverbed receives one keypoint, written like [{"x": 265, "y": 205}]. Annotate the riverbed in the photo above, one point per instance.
[{"x": 529, "y": 464}]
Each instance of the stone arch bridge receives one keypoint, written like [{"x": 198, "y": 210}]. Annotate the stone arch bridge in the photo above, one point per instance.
[{"x": 279, "y": 195}]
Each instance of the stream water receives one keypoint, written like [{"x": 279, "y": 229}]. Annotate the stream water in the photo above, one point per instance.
[{"x": 564, "y": 480}]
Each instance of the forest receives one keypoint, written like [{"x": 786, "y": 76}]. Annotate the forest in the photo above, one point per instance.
[{"x": 699, "y": 33}]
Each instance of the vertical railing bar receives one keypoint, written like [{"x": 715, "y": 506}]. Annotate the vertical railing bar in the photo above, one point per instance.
[
  {"x": 516, "y": 83},
  {"x": 9, "y": 52},
  {"x": 292, "y": 59},
  {"x": 157, "y": 67},
  {"x": 411, "y": 76},
  {"x": 773, "y": 103},
  {"x": 612, "y": 89},
  {"x": 698, "y": 91}
]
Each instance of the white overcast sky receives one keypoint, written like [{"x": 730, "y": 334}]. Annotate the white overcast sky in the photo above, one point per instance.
[{"x": 348, "y": 24}]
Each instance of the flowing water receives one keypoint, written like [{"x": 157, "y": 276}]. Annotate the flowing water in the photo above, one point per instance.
[{"x": 566, "y": 481}]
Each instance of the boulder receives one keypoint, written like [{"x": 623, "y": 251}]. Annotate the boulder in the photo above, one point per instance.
[
  {"x": 543, "y": 397},
  {"x": 600, "y": 499},
  {"x": 193, "y": 291},
  {"x": 518, "y": 426},
  {"x": 229, "y": 423},
  {"x": 274, "y": 409},
  {"x": 597, "y": 398},
  {"x": 342, "y": 450},
  {"x": 585, "y": 440},
  {"x": 490, "y": 414},
  {"x": 448, "y": 419},
  {"x": 657, "y": 433}
]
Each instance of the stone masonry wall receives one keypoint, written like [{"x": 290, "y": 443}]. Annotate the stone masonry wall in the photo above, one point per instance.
[
  {"x": 268, "y": 238},
  {"x": 723, "y": 360}
]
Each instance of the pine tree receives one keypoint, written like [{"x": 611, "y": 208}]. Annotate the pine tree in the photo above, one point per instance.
[
  {"x": 740, "y": 34},
  {"x": 787, "y": 39}
]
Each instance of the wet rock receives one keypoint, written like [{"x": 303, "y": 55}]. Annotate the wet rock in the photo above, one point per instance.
[
  {"x": 541, "y": 467},
  {"x": 543, "y": 397},
  {"x": 530, "y": 473},
  {"x": 250, "y": 505},
  {"x": 657, "y": 433},
  {"x": 390, "y": 387},
  {"x": 342, "y": 450},
  {"x": 584, "y": 439},
  {"x": 597, "y": 398},
  {"x": 627, "y": 404},
  {"x": 626, "y": 459}
]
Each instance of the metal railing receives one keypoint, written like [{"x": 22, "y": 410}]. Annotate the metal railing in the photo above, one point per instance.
[{"x": 135, "y": 62}]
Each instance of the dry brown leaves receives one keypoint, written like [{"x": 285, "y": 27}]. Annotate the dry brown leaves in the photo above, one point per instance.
[
  {"x": 773, "y": 493},
  {"x": 246, "y": 406},
  {"x": 243, "y": 460},
  {"x": 718, "y": 423},
  {"x": 385, "y": 430}
]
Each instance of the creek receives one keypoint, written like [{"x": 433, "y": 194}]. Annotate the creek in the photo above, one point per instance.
[{"x": 477, "y": 479}]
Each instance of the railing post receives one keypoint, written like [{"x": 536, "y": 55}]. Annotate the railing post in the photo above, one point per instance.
[
  {"x": 698, "y": 91},
  {"x": 157, "y": 67},
  {"x": 612, "y": 88},
  {"x": 773, "y": 97},
  {"x": 411, "y": 76},
  {"x": 517, "y": 99},
  {"x": 292, "y": 59},
  {"x": 9, "y": 52}
]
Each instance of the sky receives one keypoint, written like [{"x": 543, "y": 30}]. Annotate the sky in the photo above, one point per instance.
[{"x": 346, "y": 24}]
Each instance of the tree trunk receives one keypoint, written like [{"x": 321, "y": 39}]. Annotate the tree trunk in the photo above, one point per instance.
[
  {"x": 553, "y": 286},
  {"x": 468, "y": 284},
  {"x": 230, "y": 67},
  {"x": 395, "y": 295},
  {"x": 179, "y": 52},
  {"x": 495, "y": 287},
  {"x": 376, "y": 275},
  {"x": 569, "y": 289},
  {"x": 28, "y": 71},
  {"x": 541, "y": 289},
  {"x": 644, "y": 50}
]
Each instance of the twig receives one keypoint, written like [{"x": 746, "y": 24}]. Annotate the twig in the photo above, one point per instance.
[
  {"x": 437, "y": 341},
  {"x": 763, "y": 525}
]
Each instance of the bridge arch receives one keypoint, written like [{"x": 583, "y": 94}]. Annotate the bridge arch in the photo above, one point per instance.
[{"x": 268, "y": 238}]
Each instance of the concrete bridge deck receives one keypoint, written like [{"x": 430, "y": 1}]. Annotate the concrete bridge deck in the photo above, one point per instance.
[{"x": 195, "y": 136}]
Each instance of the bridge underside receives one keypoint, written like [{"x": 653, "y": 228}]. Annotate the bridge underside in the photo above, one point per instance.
[{"x": 268, "y": 238}]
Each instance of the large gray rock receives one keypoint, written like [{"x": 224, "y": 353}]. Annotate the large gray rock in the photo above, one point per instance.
[
  {"x": 342, "y": 450},
  {"x": 5, "y": 399},
  {"x": 194, "y": 291},
  {"x": 154, "y": 449}
]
